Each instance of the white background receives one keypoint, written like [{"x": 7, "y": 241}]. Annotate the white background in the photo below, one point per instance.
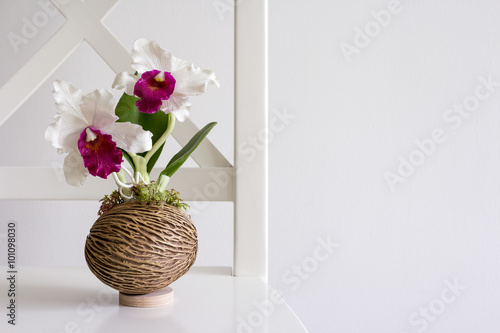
[{"x": 353, "y": 122}]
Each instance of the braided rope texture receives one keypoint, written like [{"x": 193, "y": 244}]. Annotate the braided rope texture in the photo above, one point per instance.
[{"x": 138, "y": 249}]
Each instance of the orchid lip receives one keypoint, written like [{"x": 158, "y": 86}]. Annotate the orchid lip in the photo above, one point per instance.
[
  {"x": 153, "y": 88},
  {"x": 100, "y": 155}
]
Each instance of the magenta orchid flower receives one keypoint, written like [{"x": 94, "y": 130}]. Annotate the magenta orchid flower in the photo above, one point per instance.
[
  {"x": 86, "y": 129},
  {"x": 163, "y": 82},
  {"x": 153, "y": 88}
]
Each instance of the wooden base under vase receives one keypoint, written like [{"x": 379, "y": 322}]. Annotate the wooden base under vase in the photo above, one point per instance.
[{"x": 160, "y": 297}]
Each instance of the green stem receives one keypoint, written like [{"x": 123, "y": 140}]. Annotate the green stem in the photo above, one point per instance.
[
  {"x": 161, "y": 140},
  {"x": 141, "y": 166},
  {"x": 162, "y": 182}
]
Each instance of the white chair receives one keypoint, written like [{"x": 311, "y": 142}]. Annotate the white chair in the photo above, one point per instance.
[{"x": 207, "y": 299}]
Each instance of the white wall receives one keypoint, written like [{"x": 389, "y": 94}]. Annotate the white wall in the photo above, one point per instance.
[
  {"x": 339, "y": 127},
  {"x": 353, "y": 120}
]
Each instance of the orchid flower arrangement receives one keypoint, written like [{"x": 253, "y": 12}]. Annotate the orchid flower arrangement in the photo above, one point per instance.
[{"x": 97, "y": 133}]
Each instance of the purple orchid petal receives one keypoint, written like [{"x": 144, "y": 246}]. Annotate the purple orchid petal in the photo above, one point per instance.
[
  {"x": 152, "y": 88},
  {"x": 99, "y": 152}
]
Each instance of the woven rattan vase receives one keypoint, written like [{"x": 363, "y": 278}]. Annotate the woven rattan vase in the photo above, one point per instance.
[{"x": 138, "y": 249}]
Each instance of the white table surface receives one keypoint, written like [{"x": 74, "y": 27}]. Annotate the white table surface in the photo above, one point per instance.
[{"x": 207, "y": 299}]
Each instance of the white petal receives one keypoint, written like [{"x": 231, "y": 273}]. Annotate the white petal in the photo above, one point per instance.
[
  {"x": 191, "y": 80},
  {"x": 179, "y": 105},
  {"x": 52, "y": 134},
  {"x": 125, "y": 81},
  {"x": 68, "y": 97},
  {"x": 98, "y": 108},
  {"x": 181, "y": 114},
  {"x": 74, "y": 170},
  {"x": 148, "y": 55},
  {"x": 130, "y": 137},
  {"x": 65, "y": 132}
]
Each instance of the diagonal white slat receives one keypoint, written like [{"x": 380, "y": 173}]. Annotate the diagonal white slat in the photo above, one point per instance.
[
  {"x": 90, "y": 26},
  {"x": 84, "y": 21},
  {"x": 194, "y": 184},
  {"x": 34, "y": 72},
  {"x": 101, "y": 8}
]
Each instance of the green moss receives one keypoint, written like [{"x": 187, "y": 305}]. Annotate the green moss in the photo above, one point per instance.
[
  {"x": 109, "y": 201},
  {"x": 148, "y": 194}
]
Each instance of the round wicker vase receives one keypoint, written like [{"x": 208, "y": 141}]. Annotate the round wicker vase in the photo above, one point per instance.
[{"x": 138, "y": 249}]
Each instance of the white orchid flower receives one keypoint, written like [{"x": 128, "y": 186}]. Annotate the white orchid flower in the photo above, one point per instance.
[
  {"x": 163, "y": 82},
  {"x": 85, "y": 128}
]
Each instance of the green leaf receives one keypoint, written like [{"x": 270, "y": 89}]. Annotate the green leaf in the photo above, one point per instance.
[
  {"x": 156, "y": 123},
  {"x": 181, "y": 157}
]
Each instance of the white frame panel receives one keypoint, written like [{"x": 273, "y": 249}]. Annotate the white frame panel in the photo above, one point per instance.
[
  {"x": 247, "y": 180},
  {"x": 251, "y": 211}
]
